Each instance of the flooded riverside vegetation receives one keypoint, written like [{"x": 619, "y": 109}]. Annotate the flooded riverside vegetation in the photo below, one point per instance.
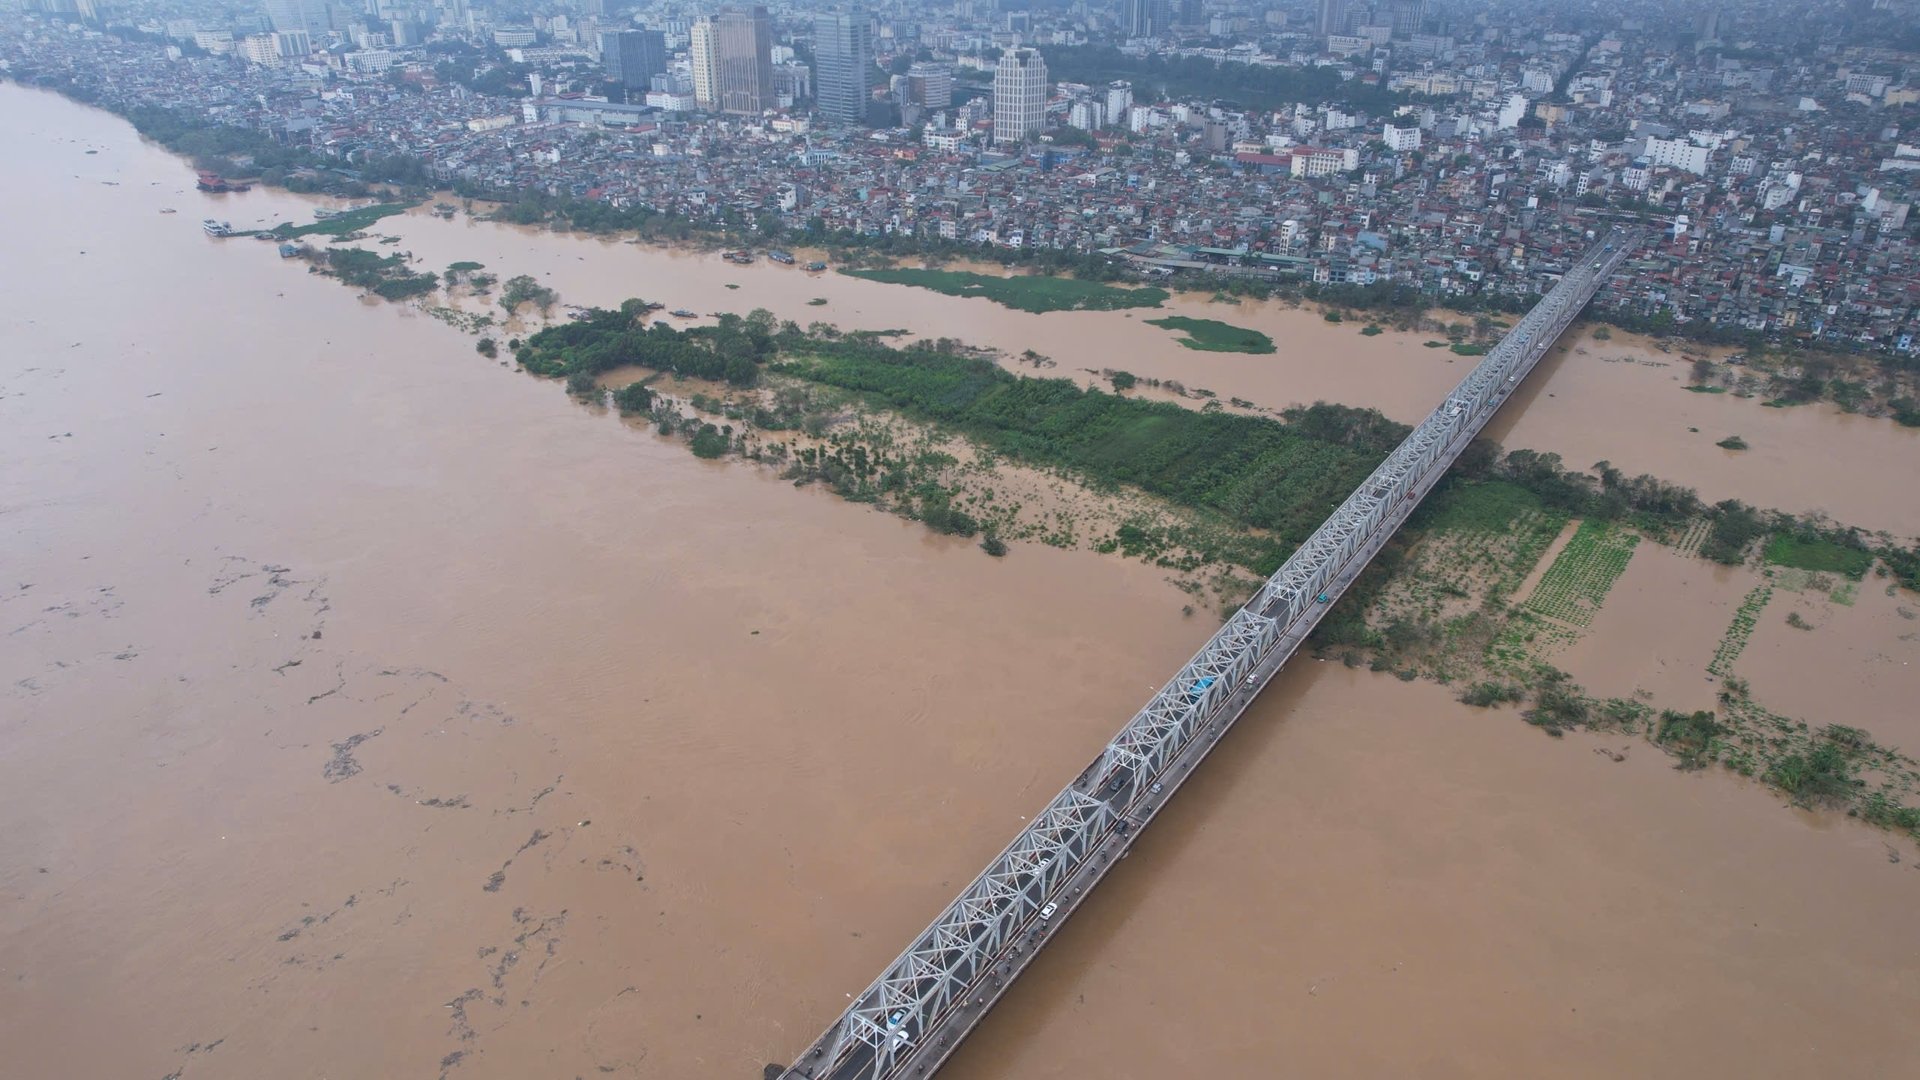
[{"x": 375, "y": 709}]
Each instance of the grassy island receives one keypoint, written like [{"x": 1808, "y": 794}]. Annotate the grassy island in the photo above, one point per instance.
[
  {"x": 341, "y": 224},
  {"x": 1211, "y": 335},
  {"x": 1034, "y": 292}
]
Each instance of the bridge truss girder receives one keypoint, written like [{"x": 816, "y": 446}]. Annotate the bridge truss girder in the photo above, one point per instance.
[{"x": 958, "y": 949}]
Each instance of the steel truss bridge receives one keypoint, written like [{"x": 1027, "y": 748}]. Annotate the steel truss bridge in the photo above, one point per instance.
[{"x": 931, "y": 996}]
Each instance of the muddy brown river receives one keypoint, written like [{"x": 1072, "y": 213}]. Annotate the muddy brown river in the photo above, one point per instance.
[{"x": 367, "y": 709}]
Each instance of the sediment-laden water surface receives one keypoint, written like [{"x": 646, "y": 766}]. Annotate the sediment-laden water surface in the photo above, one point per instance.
[{"x": 367, "y": 709}]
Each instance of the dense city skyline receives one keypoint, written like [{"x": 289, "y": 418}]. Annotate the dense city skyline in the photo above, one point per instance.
[{"x": 1454, "y": 149}]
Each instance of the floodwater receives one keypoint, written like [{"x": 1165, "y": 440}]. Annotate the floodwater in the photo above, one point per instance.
[
  {"x": 1855, "y": 663},
  {"x": 370, "y": 710},
  {"x": 1620, "y": 400},
  {"x": 1659, "y": 628}
]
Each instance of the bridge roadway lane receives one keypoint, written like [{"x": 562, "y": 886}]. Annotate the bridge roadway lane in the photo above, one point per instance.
[{"x": 926, "y": 1050}]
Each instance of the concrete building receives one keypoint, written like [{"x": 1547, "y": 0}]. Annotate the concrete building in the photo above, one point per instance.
[
  {"x": 930, "y": 85},
  {"x": 1333, "y": 17},
  {"x": 1019, "y": 96},
  {"x": 1313, "y": 162},
  {"x": 1400, "y": 139},
  {"x": 703, "y": 51},
  {"x": 259, "y": 49},
  {"x": 1407, "y": 17},
  {"x": 633, "y": 57},
  {"x": 843, "y": 65},
  {"x": 1144, "y": 18},
  {"x": 1119, "y": 100},
  {"x": 311, "y": 16},
  {"x": 1087, "y": 115},
  {"x": 1512, "y": 111},
  {"x": 743, "y": 60},
  {"x": 1678, "y": 154}
]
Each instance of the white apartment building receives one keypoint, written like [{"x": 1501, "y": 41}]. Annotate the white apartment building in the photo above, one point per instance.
[
  {"x": 1678, "y": 154},
  {"x": 1019, "y": 96},
  {"x": 1399, "y": 139},
  {"x": 1313, "y": 162},
  {"x": 703, "y": 50}
]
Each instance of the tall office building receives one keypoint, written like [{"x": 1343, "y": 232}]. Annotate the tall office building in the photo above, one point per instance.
[
  {"x": 308, "y": 15},
  {"x": 1333, "y": 16},
  {"x": 1408, "y": 15},
  {"x": 743, "y": 48},
  {"x": 1019, "y": 96},
  {"x": 703, "y": 50},
  {"x": 843, "y": 65},
  {"x": 930, "y": 85},
  {"x": 1144, "y": 18},
  {"x": 633, "y": 57}
]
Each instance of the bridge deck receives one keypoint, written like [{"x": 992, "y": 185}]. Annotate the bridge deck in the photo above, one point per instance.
[{"x": 912, "y": 1019}]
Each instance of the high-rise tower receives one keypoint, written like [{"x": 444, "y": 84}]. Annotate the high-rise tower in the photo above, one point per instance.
[
  {"x": 633, "y": 57},
  {"x": 843, "y": 65},
  {"x": 743, "y": 40},
  {"x": 703, "y": 50},
  {"x": 1019, "y": 96}
]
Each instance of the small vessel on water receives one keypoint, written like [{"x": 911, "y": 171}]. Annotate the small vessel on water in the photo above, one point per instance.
[
  {"x": 743, "y": 258},
  {"x": 216, "y": 228},
  {"x": 781, "y": 257},
  {"x": 683, "y": 313},
  {"x": 214, "y": 182},
  {"x": 816, "y": 267}
]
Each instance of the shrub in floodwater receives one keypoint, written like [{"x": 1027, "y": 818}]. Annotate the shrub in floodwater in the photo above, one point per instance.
[
  {"x": 1823, "y": 774},
  {"x": 993, "y": 546},
  {"x": 635, "y": 397},
  {"x": 1689, "y": 735},
  {"x": 1485, "y": 695},
  {"x": 708, "y": 442},
  {"x": 485, "y": 347}
]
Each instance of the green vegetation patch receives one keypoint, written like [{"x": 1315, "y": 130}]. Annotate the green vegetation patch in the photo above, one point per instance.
[
  {"x": 1574, "y": 587},
  {"x": 1819, "y": 555},
  {"x": 341, "y": 224},
  {"x": 1034, "y": 293},
  {"x": 385, "y": 276},
  {"x": 1461, "y": 348},
  {"x": 1492, "y": 506},
  {"x": 1734, "y": 641},
  {"x": 1211, "y": 335},
  {"x": 1277, "y": 477}
]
